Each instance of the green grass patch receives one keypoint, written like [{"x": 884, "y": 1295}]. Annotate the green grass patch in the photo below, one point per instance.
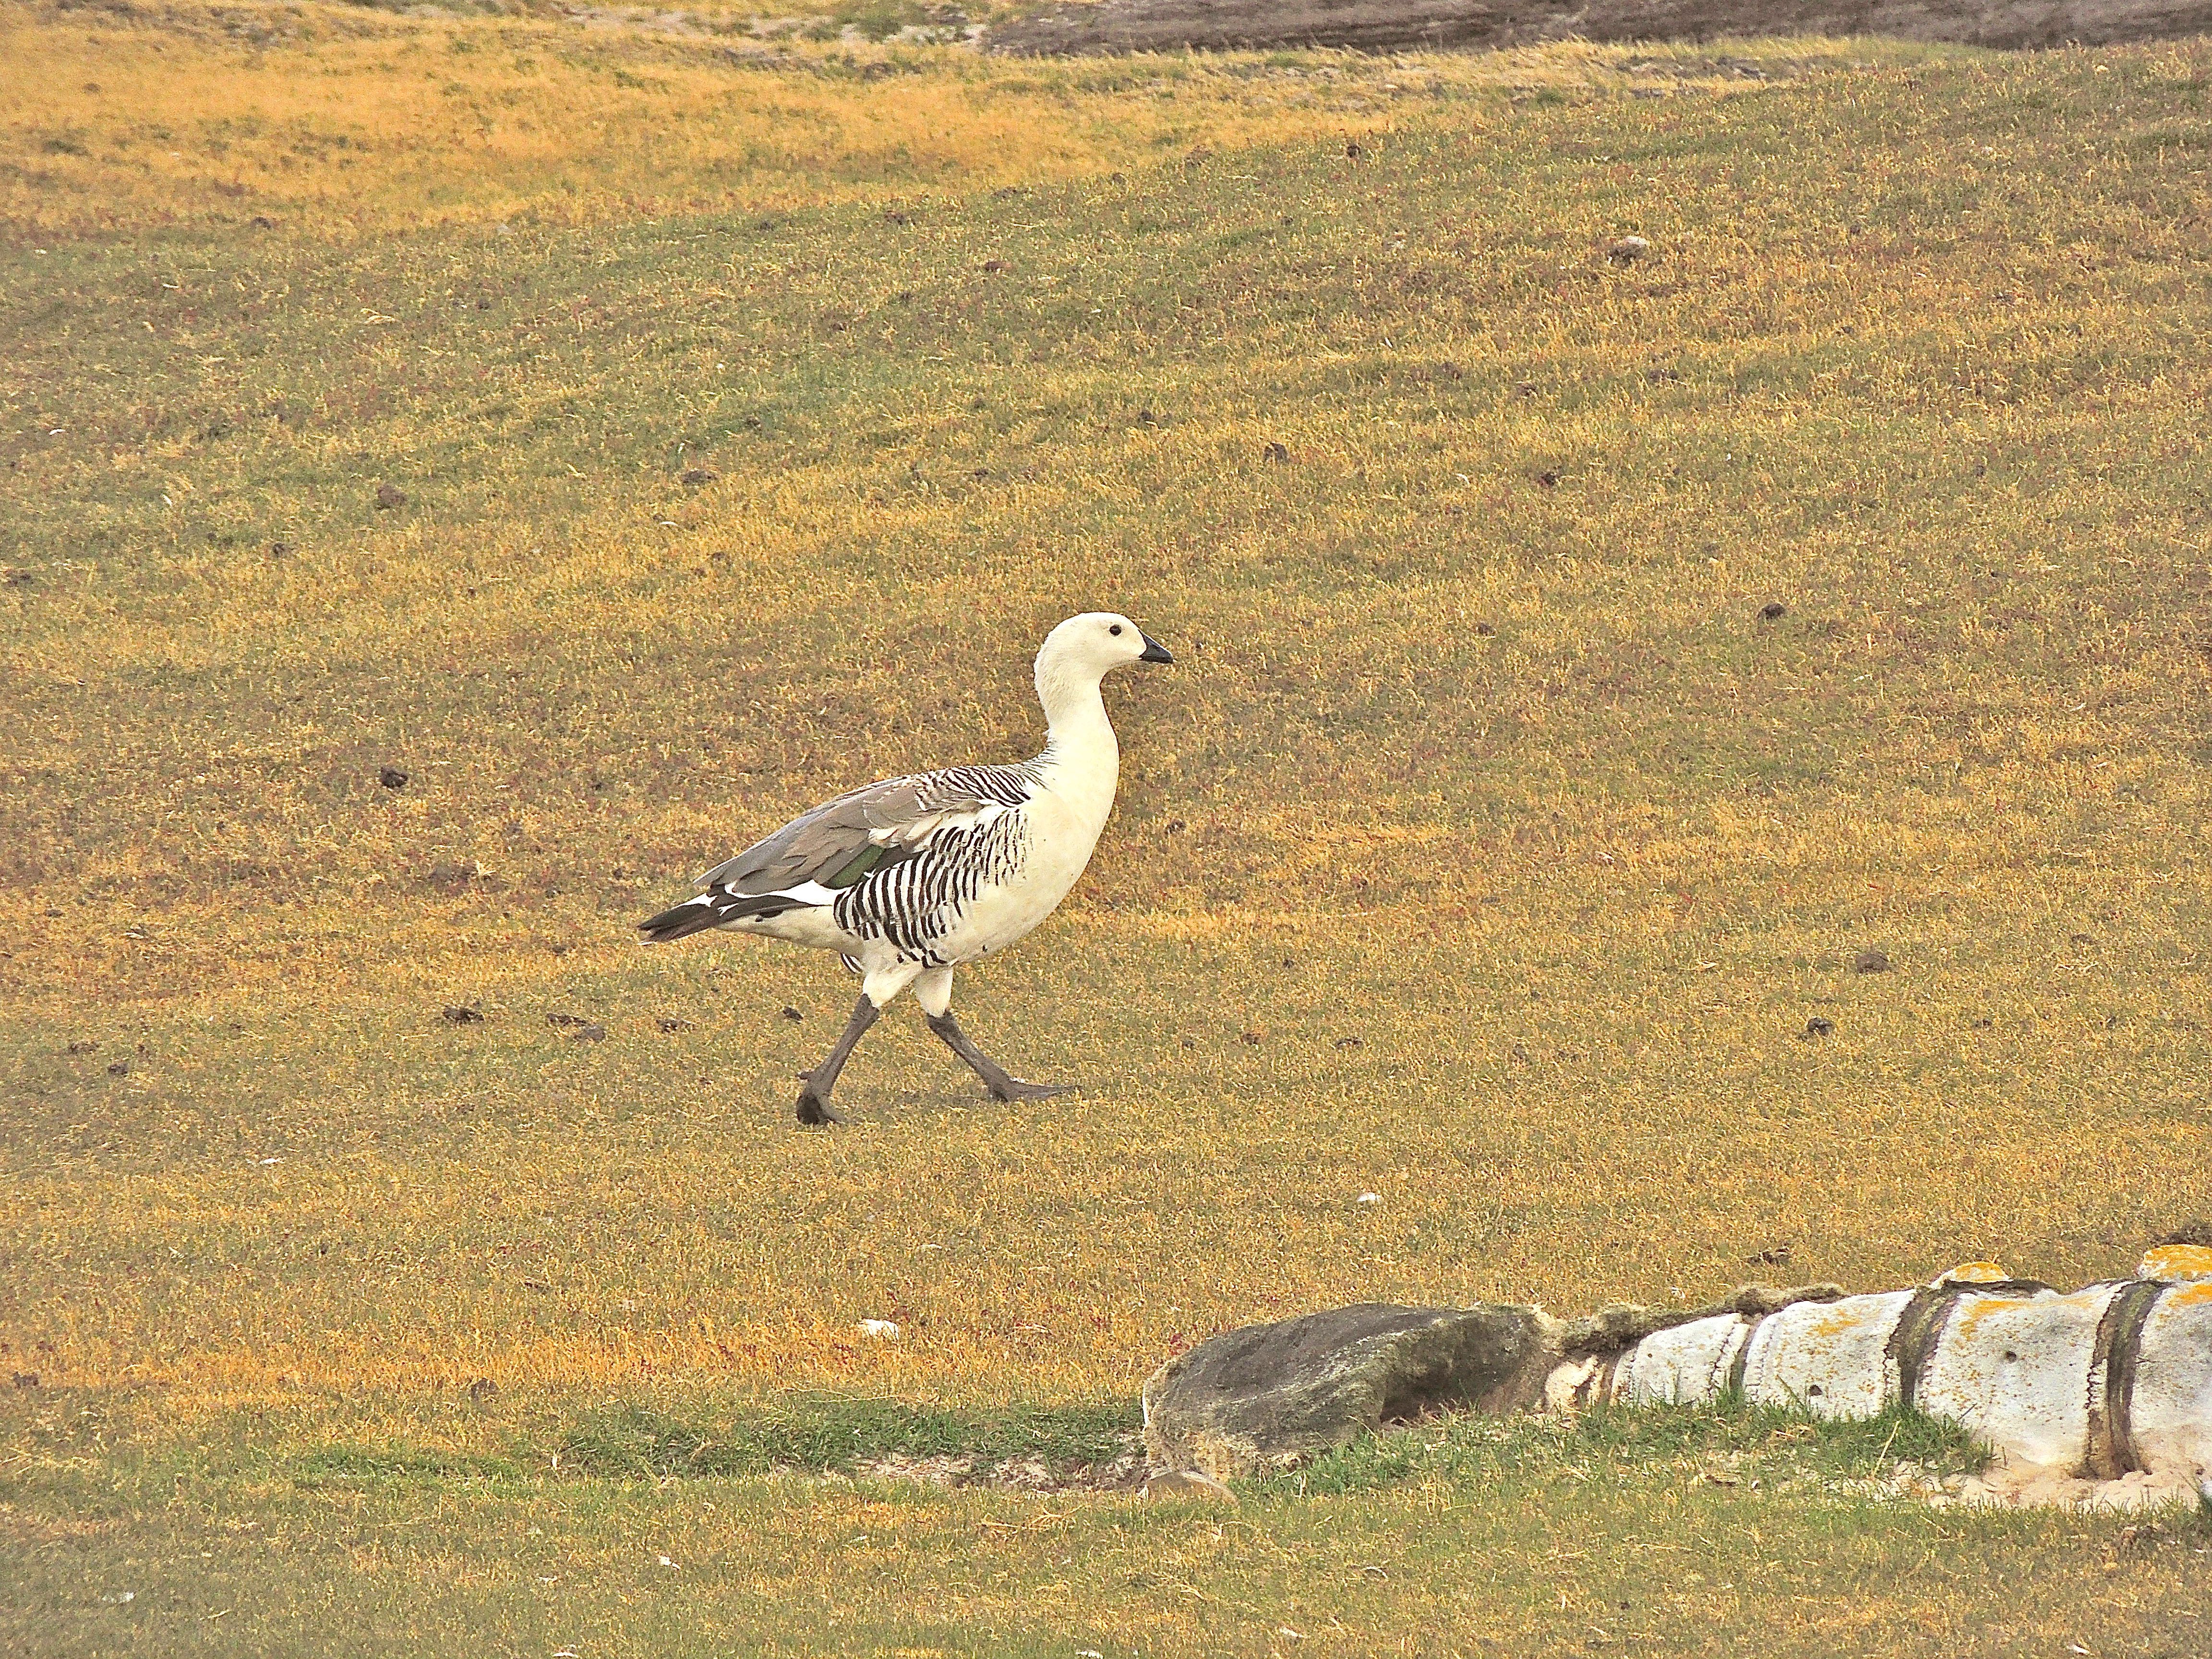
[
  {"x": 1756, "y": 1446},
  {"x": 413, "y": 1465},
  {"x": 825, "y": 1434}
]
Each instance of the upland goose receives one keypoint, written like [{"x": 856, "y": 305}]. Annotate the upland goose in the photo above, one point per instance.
[{"x": 908, "y": 878}]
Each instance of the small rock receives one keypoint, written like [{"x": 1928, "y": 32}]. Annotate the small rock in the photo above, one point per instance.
[
  {"x": 1271, "y": 1395},
  {"x": 885, "y": 1330},
  {"x": 1188, "y": 1483},
  {"x": 1773, "y": 611},
  {"x": 1368, "y": 1198},
  {"x": 462, "y": 1014},
  {"x": 392, "y": 778},
  {"x": 1871, "y": 961},
  {"x": 1820, "y": 1026},
  {"x": 389, "y": 497},
  {"x": 1628, "y": 250}
]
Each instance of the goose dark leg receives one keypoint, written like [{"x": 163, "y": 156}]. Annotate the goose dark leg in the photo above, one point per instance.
[
  {"x": 1002, "y": 1087},
  {"x": 814, "y": 1096}
]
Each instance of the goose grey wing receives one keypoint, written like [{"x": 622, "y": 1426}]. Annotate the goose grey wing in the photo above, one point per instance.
[{"x": 842, "y": 840}]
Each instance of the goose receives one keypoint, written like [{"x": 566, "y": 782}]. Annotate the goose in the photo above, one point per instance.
[{"x": 911, "y": 876}]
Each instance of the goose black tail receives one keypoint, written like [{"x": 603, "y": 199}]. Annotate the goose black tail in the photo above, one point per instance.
[{"x": 711, "y": 911}]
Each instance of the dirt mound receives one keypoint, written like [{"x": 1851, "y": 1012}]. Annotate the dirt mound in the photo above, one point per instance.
[{"x": 1118, "y": 25}]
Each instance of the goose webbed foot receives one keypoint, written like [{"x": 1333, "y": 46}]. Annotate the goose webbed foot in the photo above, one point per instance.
[
  {"x": 814, "y": 1110},
  {"x": 814, "y": 1107},
  {"x": 996, "y": 1078},
  {"x": 1014, "y": 1089}
]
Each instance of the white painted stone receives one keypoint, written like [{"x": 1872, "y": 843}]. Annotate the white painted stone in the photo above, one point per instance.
[
  {"x": 1828, "y": 1357},
  {"x": 2017, "y": 1372},
  {"x": 1689, "y": 1362},
  {"x": 2172, "y": 1405},
  {"x": 2019, "y": 1366}
]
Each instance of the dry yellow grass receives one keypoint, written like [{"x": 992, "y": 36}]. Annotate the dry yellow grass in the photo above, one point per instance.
[
  {"x": 338, "y": 120},
  {"x": 1487, "y": 850}
]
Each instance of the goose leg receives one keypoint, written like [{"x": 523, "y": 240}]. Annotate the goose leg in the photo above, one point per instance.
[
  {"x": 814, "y": 1093},
  {"x": 1002, "y": 1087}
]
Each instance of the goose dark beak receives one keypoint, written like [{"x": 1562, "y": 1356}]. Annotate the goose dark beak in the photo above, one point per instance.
[{"x": 1154, "y": 651}]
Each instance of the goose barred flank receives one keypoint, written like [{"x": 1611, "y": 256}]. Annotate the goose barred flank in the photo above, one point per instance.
[
  {"x": 908, "y": 878},
  {"x": 915, "y": 900}
]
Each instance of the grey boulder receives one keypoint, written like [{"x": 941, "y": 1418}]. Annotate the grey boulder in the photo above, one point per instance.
[{"x": 1271, "y": 1395}]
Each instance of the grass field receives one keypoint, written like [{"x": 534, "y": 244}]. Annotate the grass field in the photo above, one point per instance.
[{"x": 1488, "y": 849}]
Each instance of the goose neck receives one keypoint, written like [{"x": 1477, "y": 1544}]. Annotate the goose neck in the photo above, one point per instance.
[{"x": 1078, "y": 734}]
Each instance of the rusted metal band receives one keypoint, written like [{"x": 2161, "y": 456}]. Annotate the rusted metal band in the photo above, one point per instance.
[
  {"x": 1919, "y": 1330},
  {"x": 2112, "y": 1449}
]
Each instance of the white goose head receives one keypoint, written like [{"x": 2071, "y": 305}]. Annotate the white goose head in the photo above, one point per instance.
[
  {"x": 1079, "y": 653},
  {"x": 1093, "y": 645}
]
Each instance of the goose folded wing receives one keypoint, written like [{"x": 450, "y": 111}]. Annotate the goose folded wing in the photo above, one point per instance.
[{"x": 845, "y": 839}]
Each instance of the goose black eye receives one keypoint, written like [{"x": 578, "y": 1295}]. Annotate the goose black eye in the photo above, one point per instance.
[{"x": 1115, "y": 631}]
